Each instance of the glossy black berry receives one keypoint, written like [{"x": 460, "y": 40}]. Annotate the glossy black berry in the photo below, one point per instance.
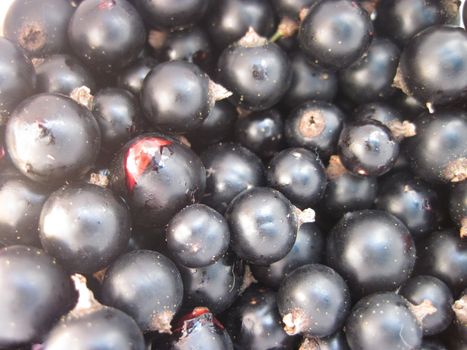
[
  {"x": 428, "y": 73},
  {"x": 256, "y": 71},
  {"x": 253, "y": 322},
  {"x": 400, "y": 20},
  {"x": 382, "y": 112},
  {"x": 192, "y": 45},
  {"x": 230, "y": 169},
  {"x": 106, "y": 34},
  {"x": 334, "y": 34},
  {"x": 197, "y": 236},
  {"x": 261, "y": 132},
  {"x": 17, "y": 77},
  {"x": 458, "y": 328},
  {"x": 298, "y": 174},
  {"x": 430, "y": 344},
  {"x": 217, "y": 126},
  {"x": 411, "y": 200},
  {"x": 147, "y": 286},
  {"x": 177, "y": 96},
  {"x": 307, "y": 249},
  {"x": 229, "y": 20},
  {"x": 157, "y": 176},
  {"x": 170, "y": 14},
  {"x": 393, "y": 326},
  {"x": 372, "y": 250},
  {"x": 62, "y": 74},
  {"x": 215, "y": 286},
  {"x": 200, "y": 330},
  {"x": 131, "y": 78},
  {"x": 21, "y": 202},
  {"x": 345, "y": 191},
  {"x": 35, "y": 292},
  {"x": 371, "y": 77},
  {"x": 309, "y": 82},
  {"x": 313, "y": 301},
  {"x": 51, "y": 138},
  {"x": 85, "y": 227},
  {"x": 315, "y": 125},
  {"x": 367, "y": 148},
  {"x": 421, "y": 288},
  {"x": 91, "y": 325},
  {"x": 263, "y": 225},
  {"x": 119, "y": 117},
  {"x": 438, "y": 153},
  {"x": 458, "y": 206},
  {"x": 443, "y": 254},
  {"x": 39, "y": 27}
]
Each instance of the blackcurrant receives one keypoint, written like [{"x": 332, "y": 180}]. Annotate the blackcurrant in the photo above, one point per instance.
[
  {"x": 51, "y": 138},
  {"x": 313, "y": 301},
  {"x": 372, "y": 250},
  {"x": 106, "y": 34},
  {"x": 85, "y": 227},
  {"x": 158, "y": 176},
  {"x": 197, "y": 236},
  {"x": 335, "y": 33},
  {"x": 147, "y": 286}
]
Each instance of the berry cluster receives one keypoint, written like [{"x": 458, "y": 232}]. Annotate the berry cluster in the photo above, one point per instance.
[{"x": 233, "y": 174}]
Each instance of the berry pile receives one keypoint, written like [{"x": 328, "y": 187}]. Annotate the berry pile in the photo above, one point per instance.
[{"x": 233, "y": 174}]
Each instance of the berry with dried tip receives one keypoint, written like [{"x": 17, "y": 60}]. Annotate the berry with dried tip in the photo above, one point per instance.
[
  {"x": 315, "y": 125},
  {"x": 85, "y": 327},
  {"x": 393, "y": 325},
  {"x": 39, "y": 27},
  {"x": 336, "y": 341},
  {"x": 313, "y": 301},
  {"x": 435, "y": 294},
  {"x": 263, "y": 225},
  {"x": 253, "y": 322},
  {"x": 458, "y": 206},
  {"x": 256, "y": 71},
  {"x": 367, "y": 148},
  {"x": 147, "y": 286},
  {"x": 51, "y": 138},
  {"x": 177, "y": 96},
  {"x": 229, "y": 20}
]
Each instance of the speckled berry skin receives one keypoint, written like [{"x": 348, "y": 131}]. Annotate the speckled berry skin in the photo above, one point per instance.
[
  {"x": 393, "y": 326},
  {"x": 315, "y": 299},
  {"x": 145, "y": 285}
]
